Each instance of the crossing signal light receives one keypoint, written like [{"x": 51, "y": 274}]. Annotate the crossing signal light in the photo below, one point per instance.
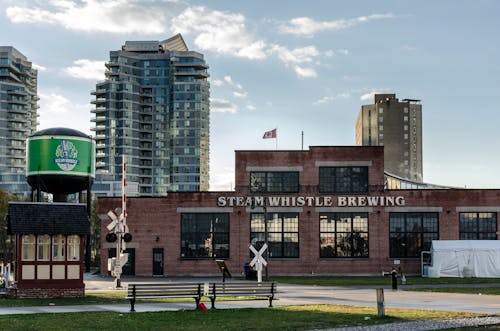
[
  {"x": 127, "y": 237},
  {"x": 111, "y": 237}
]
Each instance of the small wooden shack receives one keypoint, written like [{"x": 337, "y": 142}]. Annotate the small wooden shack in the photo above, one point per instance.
[{"x": 49, "y": 248}]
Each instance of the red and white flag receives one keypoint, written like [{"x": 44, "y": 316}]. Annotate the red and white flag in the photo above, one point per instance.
[{"x": 269, "y": 134}]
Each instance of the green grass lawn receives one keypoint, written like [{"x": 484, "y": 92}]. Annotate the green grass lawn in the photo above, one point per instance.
[
  {"x": 283, "y": 318},
  {"x": 378, "y": 280}
]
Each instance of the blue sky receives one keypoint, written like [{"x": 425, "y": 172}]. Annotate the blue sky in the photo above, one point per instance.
[{"x": 295, "y": 65}]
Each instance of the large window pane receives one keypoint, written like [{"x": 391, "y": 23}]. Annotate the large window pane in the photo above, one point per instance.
[
  {"x": 412, "y": 233},
  {"x": 43, "y": 248},
  {"x": 282, "y": 234},
  {"x": 343, "y": 235},
  {"x": 28, "y": 247},
  {"x": 204, "y": 235},
  {"x": 274, "y": 182},
  {"x": 343, "y": 179},
  {"x": 478, "y": 226}
]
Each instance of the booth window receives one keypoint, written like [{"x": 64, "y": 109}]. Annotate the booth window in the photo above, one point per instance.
[
  {"x": 204, "y": 235},
  {"x": 43, "y": 248},
  {"x": 73, "y": 248},
  {"x": 412, "y": 233},
  {"x": 478, "y": 226},
  {"x": 28, "y": 247},
  {"x": 274, "y": 182},
  {"x": 343, "y": 235},
  {"x": 282, "y": 233},
  {"x": 58, "y": 251},
  {"x": 343, "y": 179}
]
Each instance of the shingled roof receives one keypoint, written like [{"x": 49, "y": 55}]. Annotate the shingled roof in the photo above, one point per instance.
[{"x": 48, "y": 218}]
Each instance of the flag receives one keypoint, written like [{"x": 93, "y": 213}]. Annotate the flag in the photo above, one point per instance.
[{"x": 269, "y": 134}]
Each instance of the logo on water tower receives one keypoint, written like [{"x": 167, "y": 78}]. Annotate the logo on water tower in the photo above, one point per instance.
[{"x": 66, "y": 155}]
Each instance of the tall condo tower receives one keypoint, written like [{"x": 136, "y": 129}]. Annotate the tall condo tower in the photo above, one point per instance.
[
  {"x": 18, "y": 118},
  {"x": 396, "y": 125},
  {"x": 153, "y": 108}
]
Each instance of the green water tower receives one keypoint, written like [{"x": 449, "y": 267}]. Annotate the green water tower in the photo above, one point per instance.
[{"x": 60, "y": 161}]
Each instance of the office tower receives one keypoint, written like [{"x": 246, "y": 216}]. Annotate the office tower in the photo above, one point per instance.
[
  {"x": 18, "y": 118},
  {"x": 153, "y": 108},
  {"x": 396, "y": 125}
]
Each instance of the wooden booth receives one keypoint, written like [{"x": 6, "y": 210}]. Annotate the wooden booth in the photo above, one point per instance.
[{"x": 49, "y": 251}]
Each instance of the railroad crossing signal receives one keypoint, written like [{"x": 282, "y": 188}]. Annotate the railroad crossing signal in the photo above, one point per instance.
[{"x": 258, "y": 260}]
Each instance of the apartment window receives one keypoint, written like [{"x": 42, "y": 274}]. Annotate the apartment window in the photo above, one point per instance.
[
  {"x": 204, "y": 235},
  {"x": 343, "y": 179},
  {"x": 412, "y": 233},
  {"x": 282, "y": 233},
  {"x": 343, "y": 235},
  {"x": 274, "y": 182},
  {"x": 478, "y": 226}
]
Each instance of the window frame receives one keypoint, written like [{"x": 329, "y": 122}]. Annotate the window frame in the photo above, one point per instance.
[
  {"x": 424, "y": 239},
  {"x": 275, "y": 182},
  {"x": 343, "y": 179},
  {"x": 477, "y": 234},
  {"x": 276, "y": 227},
  {"x": 217, "y": 237},
  {"x": 336, "y": 230}
]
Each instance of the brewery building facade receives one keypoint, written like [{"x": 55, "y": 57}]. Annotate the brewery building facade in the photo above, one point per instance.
[{"x": 323, "y": 211}]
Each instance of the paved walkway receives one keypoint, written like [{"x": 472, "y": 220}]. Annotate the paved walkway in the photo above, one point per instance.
[{"x": 287, "y": 295}]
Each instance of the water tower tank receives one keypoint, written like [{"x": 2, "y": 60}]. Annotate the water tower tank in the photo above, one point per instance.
[{"x": 60, "y": 161}]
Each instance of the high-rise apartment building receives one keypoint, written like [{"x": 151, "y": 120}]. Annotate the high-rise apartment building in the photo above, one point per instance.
[
  {"x": 18, "y": 118},
  {"x": 396, "y": 125},
  {"x": 153, "y": 108}
]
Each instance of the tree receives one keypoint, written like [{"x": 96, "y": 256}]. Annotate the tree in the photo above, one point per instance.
[{"x": 6, "y": 244}]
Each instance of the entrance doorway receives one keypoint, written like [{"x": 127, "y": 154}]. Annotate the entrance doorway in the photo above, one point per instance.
[{"x": 157, "y": 261}]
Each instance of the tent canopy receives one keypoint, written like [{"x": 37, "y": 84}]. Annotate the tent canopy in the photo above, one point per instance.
[{"x": 465, "y": 258}]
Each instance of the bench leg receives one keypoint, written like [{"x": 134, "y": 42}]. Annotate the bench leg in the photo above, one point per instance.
[
  {"x": 197, "y": 300},
  {"x": 132, "y": 305},
  {"x": 212, "y": 300},
  {"x": 270, "y": 302}
]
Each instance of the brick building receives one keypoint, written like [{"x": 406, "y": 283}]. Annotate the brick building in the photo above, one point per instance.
[{"x": 329, "y": 210}]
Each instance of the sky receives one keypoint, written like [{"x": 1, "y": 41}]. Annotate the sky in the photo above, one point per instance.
[{"x": 298, "y": 66}]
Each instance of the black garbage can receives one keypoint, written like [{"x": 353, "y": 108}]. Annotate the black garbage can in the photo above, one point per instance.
[{"x": 249, "y": 272}]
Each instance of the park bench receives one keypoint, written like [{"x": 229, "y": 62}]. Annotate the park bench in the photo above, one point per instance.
[
  {"x": 164, "y": 290},
  {"x": 241, "y": 289}
]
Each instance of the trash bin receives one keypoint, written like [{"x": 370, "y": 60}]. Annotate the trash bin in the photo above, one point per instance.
[{"x": 249, "y": 272}]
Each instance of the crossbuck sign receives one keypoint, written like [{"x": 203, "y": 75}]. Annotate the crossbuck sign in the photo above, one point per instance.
[{"x": 258, "y": 260}]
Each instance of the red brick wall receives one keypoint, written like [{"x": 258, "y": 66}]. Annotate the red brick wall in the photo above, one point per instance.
[
  {"x": 46, "y": 293},
  {"x": 149, "y": 218}
]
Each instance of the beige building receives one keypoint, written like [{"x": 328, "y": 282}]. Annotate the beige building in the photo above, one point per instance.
[{"x": 396, "y": 125}]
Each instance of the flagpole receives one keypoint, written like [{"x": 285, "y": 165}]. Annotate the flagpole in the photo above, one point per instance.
[
  {"x": 302, "y": 140},
  {"x": 276, "y": 138}
]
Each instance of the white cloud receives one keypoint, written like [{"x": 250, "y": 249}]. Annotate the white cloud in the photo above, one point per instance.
[
  {"x": 113, "y": 16},
  {"x": 222, "y": 106},
  {"x": 370, "y": 95},
  {"x": 240, "y": 94},
  {"x": 219, "y": 32},
  {"x": 296, "y": 58},
  {"x": 230, "y": 81},
  {"x": 38, "y": 67},
  {"x": 217, "y": 82},
  {"x": 305, "y": 26},
  {"x": 86, "y": 69},
  {"x": 305, "y": 72},
  {"x": 250, "y": 107},
  {"x": 57, "y": 111},
  {"x": 408, "y": 48},
  {"x": 331, "y": 98}
]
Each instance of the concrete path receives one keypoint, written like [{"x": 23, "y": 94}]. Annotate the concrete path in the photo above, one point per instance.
[{"x": 287, "y": 295}]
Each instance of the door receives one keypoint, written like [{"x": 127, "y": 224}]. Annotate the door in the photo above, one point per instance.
[{"x": 157, "y": 261}]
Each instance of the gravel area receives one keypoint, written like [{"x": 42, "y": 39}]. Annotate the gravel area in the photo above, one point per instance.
[{"x": 437, "y": 324}]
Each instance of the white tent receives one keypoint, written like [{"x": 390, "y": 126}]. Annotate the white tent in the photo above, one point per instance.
[{"x": 465, "y": 258}]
